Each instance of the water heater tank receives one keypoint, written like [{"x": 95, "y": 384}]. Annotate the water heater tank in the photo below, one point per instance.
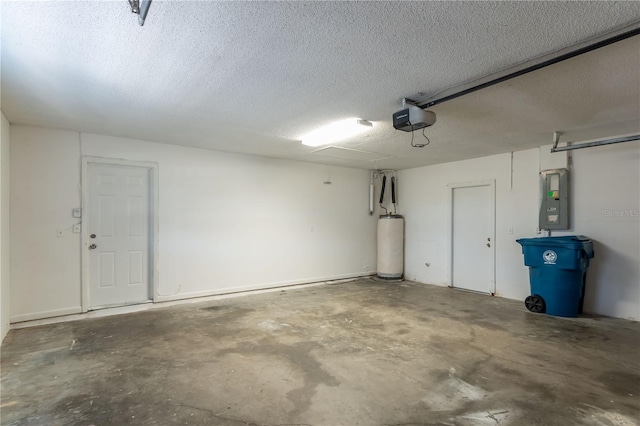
[{"x": 391, "y": 247}]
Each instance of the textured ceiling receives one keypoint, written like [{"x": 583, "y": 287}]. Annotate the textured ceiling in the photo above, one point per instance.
[{"x": 251, "y": 77}]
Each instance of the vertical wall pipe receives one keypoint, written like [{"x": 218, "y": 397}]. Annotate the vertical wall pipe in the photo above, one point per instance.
[{"x": 371, "y": 198}]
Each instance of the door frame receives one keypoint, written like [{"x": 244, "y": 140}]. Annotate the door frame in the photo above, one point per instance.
[
  {"x": 153, "y": 221},
  {"x": 491, "y": 183}
]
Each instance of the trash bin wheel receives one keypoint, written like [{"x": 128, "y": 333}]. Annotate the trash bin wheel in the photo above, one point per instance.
[{"x": 535, "y": 303}]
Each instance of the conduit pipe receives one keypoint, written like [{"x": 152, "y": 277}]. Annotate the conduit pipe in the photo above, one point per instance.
[{"x": 371, "y": 196}]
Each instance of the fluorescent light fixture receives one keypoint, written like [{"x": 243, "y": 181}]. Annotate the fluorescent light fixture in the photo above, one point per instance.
[{"x": 336, "y": 131}]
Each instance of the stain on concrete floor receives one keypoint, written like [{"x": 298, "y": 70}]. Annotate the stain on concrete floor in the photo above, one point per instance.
[{"x": 360, "y": 353}]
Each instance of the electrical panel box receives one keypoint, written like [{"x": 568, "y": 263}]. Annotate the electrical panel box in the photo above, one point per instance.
[{"x": 554, "y": 209}]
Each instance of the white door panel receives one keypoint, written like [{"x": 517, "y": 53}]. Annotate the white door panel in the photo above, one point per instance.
[
  {"x": 118, "y": 226},
  {"x": 472, "y": 239}
]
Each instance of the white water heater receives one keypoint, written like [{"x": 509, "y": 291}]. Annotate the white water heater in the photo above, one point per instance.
[{"x": 390, "y": 247}]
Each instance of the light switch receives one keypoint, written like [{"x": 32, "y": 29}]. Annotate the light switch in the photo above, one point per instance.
[{"x": 77, "y": 213}]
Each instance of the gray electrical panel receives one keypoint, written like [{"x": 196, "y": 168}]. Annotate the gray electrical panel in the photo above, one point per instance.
[{"x": 554, "y": 209}]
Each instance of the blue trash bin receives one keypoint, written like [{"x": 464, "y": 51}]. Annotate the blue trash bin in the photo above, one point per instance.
[{"x": 557, "y": 271}]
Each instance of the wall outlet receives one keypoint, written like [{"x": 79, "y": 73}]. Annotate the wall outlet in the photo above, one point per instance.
[{"x": 77, "y": 228}]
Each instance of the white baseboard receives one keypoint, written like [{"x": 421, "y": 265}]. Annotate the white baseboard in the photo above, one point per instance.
[
  {"x": 46, "y": 314},
  {"x": 263, "y": 286},
  {"x": 75, "y": 313}
]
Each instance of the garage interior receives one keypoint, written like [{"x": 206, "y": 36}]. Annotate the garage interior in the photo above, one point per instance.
[{"x": 178, "y": 246}]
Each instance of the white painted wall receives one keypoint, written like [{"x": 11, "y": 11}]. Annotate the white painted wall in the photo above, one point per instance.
[
  {"x": 227, "y": 222},
  {"x": 230, "y": 222},
  {"x": 4, "y": 226},
  {"x": 603, "y": 179},
  {"x": 45, "y": 172},
  {"x": 427, "y": 208},
  {"x": 606, "y": 204}
]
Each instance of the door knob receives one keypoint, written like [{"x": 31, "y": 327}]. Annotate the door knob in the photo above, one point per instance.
[
  {"x": 92, "y": 235},
  {"x": 92, "y": 246}
]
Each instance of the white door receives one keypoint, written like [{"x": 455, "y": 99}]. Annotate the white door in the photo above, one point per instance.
[
  {"x": 118, "y": 231},
  {"x": 472, "y": 238}
]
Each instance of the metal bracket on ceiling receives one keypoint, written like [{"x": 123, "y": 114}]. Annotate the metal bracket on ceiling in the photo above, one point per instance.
[
  {"x": 135, "y": 6},
  {"x": 407, "y": 101},
  {"x": 556, "y": 139},
  {"x": 141, "y": 8}
]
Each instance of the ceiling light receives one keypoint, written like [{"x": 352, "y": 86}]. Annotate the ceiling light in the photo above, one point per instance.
[{"x": 336, "y": 131}]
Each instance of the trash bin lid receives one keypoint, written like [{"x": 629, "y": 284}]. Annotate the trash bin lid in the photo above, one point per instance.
[{"x": 575, "y": 242}]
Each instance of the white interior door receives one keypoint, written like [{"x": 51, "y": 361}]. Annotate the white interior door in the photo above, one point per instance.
[
  {"x": 119, "y": 237},
  {"x": 472, "y": 238}
]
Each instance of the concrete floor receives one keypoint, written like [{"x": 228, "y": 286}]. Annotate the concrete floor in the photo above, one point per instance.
[{"x": 361, "y": 353}]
